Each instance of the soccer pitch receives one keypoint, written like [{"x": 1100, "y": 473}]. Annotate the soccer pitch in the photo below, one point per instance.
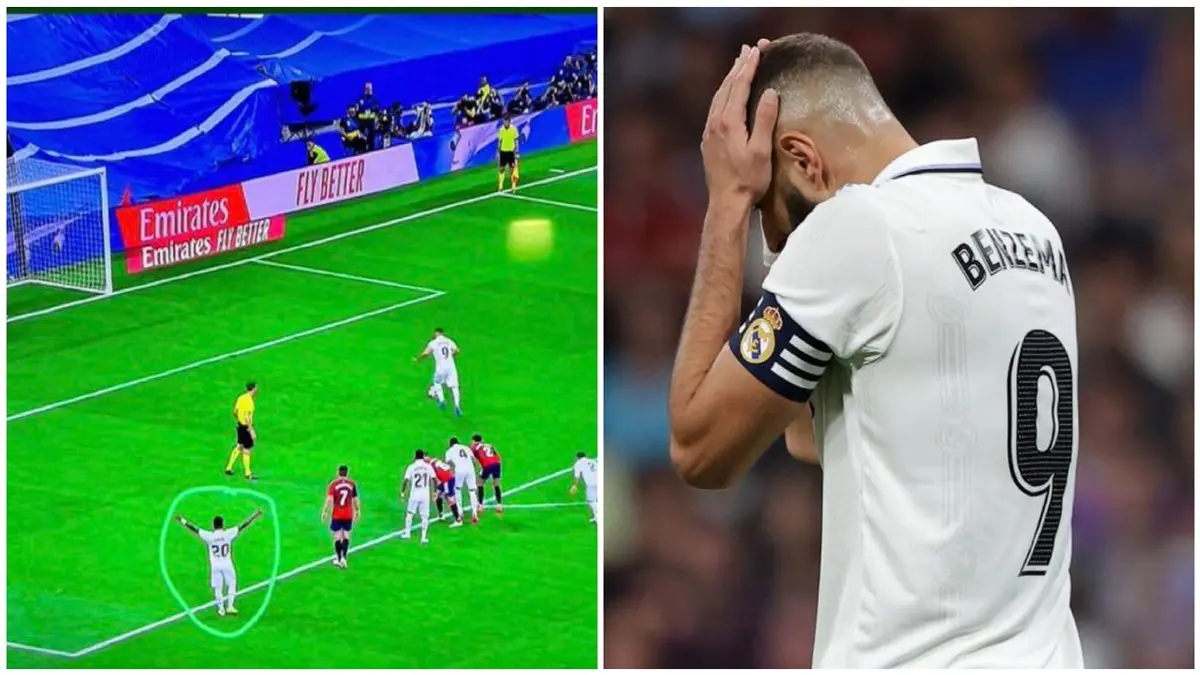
[{"x": 117, "y": 405}]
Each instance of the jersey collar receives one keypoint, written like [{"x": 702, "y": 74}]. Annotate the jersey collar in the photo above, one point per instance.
[{"x": 956, "y": 156}]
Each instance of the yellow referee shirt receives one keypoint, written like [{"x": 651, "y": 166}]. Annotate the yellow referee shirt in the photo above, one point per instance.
[
  {"x": 508, "y": 138},
  {"x": 243, "y": 409}
]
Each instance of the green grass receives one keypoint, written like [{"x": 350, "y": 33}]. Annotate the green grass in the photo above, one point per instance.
[{"x": 89, "y": 482}]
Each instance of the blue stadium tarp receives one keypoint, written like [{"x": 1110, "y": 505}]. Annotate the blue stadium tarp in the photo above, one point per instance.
[{"x": 172, "y": 104}]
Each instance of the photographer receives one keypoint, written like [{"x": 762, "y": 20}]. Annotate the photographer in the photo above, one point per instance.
[
  {"x": 353, "y": 139},
  {"x": 316, "y": 154},
  {"x": 385, "y": 126},
  {"x": 495, "y": 105},
  {"x": 466, "y": 111},
  {"x": 521, "y": 102},
  {"x": 422, "y": 126}
]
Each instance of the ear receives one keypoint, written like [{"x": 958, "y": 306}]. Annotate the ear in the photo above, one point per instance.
[
  {"x": 798, "y": 152},
  {"x": 804, "y": 166}
]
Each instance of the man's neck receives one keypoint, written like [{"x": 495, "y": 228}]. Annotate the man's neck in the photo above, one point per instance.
[{"x": 875, "y": 150}]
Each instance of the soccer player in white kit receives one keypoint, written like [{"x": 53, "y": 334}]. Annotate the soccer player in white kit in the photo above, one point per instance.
[
  {"x": 445, "y": 372},
  {"x": 916, "y": 336},
  {"x": 587, "y": 471},
  {"x": 417, "y": 488},
  {"x": 460, "y": 457},
  {"x": 220, "y": 558}
]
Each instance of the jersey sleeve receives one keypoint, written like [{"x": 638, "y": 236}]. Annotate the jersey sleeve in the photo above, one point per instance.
[
  {"x": 205, "y": 535},
  {"x": 834, "y": 293},
  {"x": 234, "y": 532}
]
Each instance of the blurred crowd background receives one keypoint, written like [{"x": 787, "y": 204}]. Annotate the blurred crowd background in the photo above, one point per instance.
[{"x": 1088, "y": 114}]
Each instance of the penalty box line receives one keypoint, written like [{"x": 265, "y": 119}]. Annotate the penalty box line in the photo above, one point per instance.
[
  {"x": 298, "y": 247},
  {"x": 429, "y": 294},
  {"x": 242, "y": 592}
]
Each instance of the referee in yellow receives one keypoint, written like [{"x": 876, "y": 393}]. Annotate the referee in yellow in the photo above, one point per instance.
[
  {"x": 243, "y": 412},
  {"x": 508, "y": 153}
]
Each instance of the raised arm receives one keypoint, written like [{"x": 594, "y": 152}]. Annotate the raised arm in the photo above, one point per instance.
[
  {"x": 183, "y": 521},
  {"x": 249, "y": 521}
]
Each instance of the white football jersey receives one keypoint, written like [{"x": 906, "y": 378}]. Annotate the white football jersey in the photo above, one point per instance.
[
  {"x": 460, "y": 456},
  {"x": 220, "y": 546},
  {"x": 929, "y": 319},
  {"x": 587, "y": 471},
  {"x": 442, "y": 348},
  {"x": 420, "y": 477}
]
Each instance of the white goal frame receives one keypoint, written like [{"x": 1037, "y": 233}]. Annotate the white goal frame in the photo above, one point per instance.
[{"x": 11, "y": 190}]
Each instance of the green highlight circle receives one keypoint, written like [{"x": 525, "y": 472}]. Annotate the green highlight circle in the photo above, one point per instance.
[{"x": 162, "y": 557}]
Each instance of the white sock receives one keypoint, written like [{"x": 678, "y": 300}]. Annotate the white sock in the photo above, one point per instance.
[
  {"x": 595, "y": 509},
  {"x": 437, "y": 392},
  {"x": 457, "y": 397},
  {"x": 408, "y": 524},
  {"x": 424, "y": 527},
  {"x": 474, "y": 501},
  {"x": 232, "y": 593},
  {"x": 220, "y": 597}
]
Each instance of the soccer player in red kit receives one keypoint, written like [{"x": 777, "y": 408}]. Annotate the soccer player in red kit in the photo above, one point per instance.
[
  {"x": 489, "y": 464},
  {"x": 446, "y": 489},
  {"x": 343, "y": 509}
]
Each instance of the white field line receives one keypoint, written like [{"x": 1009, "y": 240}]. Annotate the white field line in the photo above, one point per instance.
[
  {"x": 323, "y": 560},
  {"x": 39, "y": 650},
  {"x": 289, "y": 249},
  {"x": 348, "y": 277},
  {"x": 221, "y": 357},
  {"x": 551, "y": 505},
  {"x": 550, "y": 202}
]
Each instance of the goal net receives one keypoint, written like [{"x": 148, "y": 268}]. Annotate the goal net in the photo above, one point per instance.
[{"x": 57, "y": 226}]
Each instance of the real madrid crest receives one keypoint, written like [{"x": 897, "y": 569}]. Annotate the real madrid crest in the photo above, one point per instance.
[
  {"x": 771, "y": 314},
  {"x": 758, "y": 342}
]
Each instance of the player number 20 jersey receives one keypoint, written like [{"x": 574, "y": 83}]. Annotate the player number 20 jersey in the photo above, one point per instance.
[
  {"x": 220, "y": 547},
  {"x": 929, "y": 319}
]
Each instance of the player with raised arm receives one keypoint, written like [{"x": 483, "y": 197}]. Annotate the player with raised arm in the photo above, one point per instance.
[
  {"x": 343, "y": 509},
  {"x": 916, "y": 337},
  {"x": 417, "y": 488},
  {"x": 489, "y": 464},
  {"x": 445, "y": 371},
  {"x": 220, "y": 558},
  {"x": 460, "y": 457},
  {"x": 446, "y": 489},
  {"x": 587, "y": 471}
]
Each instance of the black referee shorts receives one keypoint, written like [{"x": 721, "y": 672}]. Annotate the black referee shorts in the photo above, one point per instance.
[
  {"x": 508, "y": 158},
  {"x": 244, "y": 438}
]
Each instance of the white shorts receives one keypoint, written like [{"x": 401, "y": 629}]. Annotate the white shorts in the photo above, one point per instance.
[
  {"x": 223, "y": 576},
  {"x": 591, "y": 491},
  {"x": 446, "y": 377},
  {"x": 466, "y": 480},
  {"x": 420, "y": 506}
]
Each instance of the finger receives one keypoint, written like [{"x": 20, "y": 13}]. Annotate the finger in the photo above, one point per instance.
[
  {"x": 765, "y": 117},
  {"x": 722, "y": 95},
  {"x": 712, "y": 107},
  {"x": 763, "y": 42},
  {"x": 739, "y": 89}
]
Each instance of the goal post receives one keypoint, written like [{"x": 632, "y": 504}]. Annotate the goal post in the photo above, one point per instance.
[{"x": 57, "y": 226}]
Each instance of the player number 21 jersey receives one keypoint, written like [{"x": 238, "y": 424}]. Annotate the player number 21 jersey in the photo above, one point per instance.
[{"x": 929, "y": 319}]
